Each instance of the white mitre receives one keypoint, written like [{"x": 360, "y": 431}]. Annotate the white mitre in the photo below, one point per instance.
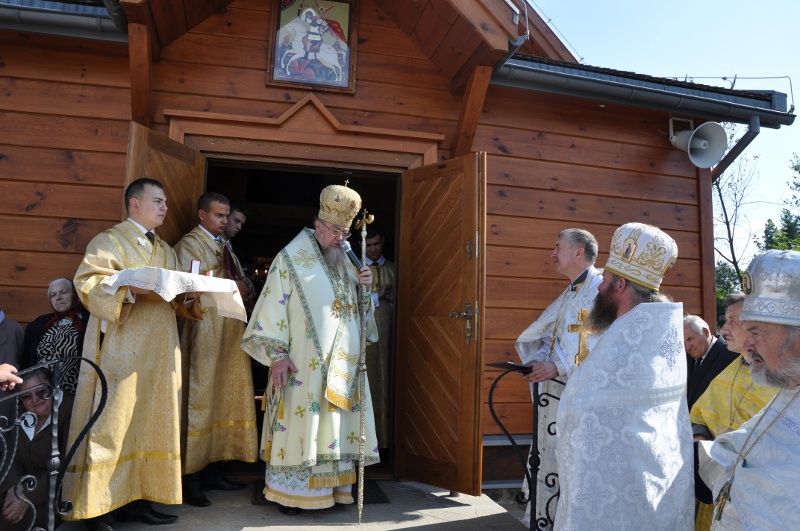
[
  {"x": 772, "y": 288},
  {"x": 642, "y": 254}
]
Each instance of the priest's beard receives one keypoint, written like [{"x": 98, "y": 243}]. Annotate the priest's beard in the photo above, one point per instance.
[
  {"x": 334, "y": 257},
  {"x": 786, "y": 377},
  {"x": 604, "y": 311}
]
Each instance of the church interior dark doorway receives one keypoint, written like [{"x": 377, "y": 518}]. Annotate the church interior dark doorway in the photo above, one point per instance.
[{"x": 280, "y": 200}]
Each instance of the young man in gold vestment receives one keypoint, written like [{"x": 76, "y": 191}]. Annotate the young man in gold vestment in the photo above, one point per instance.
[
  {"x": 219, "y": 415},
  {"x": 132, "y": 455}
]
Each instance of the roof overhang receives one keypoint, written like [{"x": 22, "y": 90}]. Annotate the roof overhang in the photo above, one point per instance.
[
  {"x": 609, "y": 86},
  {"x": 84, "y": 21}
]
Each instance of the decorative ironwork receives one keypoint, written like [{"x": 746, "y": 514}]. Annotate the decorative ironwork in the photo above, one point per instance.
[
  {"x": 9, "y": 431},
  {"x": 531, "y": 467}
]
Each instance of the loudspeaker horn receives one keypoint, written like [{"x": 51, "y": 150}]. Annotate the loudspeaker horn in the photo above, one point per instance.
[{"x": 705, "y": 145}]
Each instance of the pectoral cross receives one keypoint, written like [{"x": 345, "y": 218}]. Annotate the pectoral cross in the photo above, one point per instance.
[
  {"x": 723, "y": 496},
  {"x": 583, "y": 329}
]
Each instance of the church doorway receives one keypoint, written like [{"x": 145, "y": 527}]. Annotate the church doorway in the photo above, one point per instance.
[{"x": 282, "y": 199}]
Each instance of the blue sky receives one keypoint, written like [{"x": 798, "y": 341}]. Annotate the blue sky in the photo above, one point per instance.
[{"x": 705, "y": 40}]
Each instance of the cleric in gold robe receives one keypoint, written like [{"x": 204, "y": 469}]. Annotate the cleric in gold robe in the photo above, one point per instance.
[
  {"x": 306, "y": 327},
  {"x": 380, "y": 355},
  {"x": 133, "y": 451},
  {"x": 220, "y": 417}
]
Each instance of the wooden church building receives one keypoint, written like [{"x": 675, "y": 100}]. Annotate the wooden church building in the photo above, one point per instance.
[{"x": 471, "y": 132}]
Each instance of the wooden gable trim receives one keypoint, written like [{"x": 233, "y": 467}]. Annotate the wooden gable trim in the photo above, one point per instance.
[
  {"x": 543, "y": 42},
  {"x": 138, "y": 12},
  {"x": 471, "y": 107},
  {"x": 485, "y": 19},
  {"x": 140, "y": 73},
  {"x": 310, "y": 126}
]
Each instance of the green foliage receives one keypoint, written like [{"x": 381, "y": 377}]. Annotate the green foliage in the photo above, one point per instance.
[
  {"x": 783, "y": 237},
  {"x": 786, "y": 235},
  {"x": 794, "y": 184},
  {"x": 727, "y": 281}
]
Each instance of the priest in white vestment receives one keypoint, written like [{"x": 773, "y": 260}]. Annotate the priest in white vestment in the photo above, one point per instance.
[
  {"x": 754, "y": 472},
  {"x": 625, "y": 444},
  {"x": 306, "y": 327},
  {"x": 549, "y": 348}
]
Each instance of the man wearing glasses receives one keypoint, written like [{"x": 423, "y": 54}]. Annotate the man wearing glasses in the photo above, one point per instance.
[{"x": 306, "y": 326}]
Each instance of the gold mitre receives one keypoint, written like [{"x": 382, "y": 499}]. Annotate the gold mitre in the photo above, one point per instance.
[
  {"x": 642, "y": 254},
  {"x": 338, "y": 205},
  {"x": 772, "y": 288}
]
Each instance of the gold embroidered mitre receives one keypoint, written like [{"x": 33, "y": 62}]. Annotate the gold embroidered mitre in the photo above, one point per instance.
[
  {"x": 339, "y": 205},
  {"x": 772, "y": 288},
  {"x": 642, "y": 254}
]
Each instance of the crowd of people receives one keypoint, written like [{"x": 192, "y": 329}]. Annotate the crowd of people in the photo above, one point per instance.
[
  {"x": 656, "y": 422},
  {"x": 180, "y": 400}
]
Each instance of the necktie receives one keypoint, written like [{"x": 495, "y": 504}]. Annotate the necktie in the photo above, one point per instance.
[{"x": 151, "y": 237}]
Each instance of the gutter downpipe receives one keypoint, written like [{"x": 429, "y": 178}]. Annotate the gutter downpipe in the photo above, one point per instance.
[
  {"x": 117, "y": 15},
  {"x": 754, "y": 127},
  {"x": 513, "y": 46},
  {"x": 81, "y": 26}
]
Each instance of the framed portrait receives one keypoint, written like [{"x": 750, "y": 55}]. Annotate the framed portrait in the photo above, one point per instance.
[{"x": 313, "y": 44}]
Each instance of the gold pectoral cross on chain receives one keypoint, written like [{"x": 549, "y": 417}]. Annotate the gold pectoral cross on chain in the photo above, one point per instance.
[
  {"x": 583, "y": 329},
  {"x": 723, "y": 496}
]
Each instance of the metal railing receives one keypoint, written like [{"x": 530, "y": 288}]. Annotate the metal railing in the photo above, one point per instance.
[
  {"x": 533, "y": 464},
  {"x": 10, "y": 431}
]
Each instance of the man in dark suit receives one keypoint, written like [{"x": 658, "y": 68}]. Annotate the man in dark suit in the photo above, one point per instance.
[{"x": 706, "y": 356}]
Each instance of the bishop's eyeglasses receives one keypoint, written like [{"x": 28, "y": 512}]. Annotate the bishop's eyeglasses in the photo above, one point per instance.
[{"x": 337, "y": 233}]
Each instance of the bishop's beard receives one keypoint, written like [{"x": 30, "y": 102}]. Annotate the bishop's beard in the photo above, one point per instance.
[
  {"x": 604, "y": 312},
  {"x": 334, "y": 257}
]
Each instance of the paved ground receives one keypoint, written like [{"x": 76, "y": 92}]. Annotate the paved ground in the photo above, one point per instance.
[{"x": 411, "y": 506}]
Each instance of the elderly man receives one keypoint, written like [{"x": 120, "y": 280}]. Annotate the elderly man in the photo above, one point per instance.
[
  {"x": 624, "y": 445},
  {"x": 754, "y": 472},
  {"x": 219, "y": 411},
  {"x": 548, "y": 347},
  {"x": 306, "y": 326},
  {"x": 731, "y": 398},
  {"x": 707, "y": 356}
]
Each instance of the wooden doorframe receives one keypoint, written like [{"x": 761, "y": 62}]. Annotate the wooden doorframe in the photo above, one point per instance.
[{"x": 307, "y": 134}]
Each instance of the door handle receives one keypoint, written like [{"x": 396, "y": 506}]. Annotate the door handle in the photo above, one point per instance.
[{"x": 465, "y": 315}]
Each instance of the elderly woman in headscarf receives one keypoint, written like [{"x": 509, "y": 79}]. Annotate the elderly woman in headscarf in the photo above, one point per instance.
[
  {"x": 34, "y": 448},
  {"x": 59, "y": 334}
]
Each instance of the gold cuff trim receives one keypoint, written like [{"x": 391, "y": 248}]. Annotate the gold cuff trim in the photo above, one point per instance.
[
  {"x": 343, "y": 498},
  {"x": 322, "y": 482},
  {"x": 304, "y": 502},
  {"x": 338, "y": 400}
]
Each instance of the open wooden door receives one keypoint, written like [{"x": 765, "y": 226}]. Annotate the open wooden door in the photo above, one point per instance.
[
  {"x": 179, "y": 168},
  {"x": 440, "y": 347}
]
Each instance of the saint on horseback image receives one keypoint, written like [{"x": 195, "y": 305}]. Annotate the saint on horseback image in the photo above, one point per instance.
[{"x": 311, "y": 44}]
